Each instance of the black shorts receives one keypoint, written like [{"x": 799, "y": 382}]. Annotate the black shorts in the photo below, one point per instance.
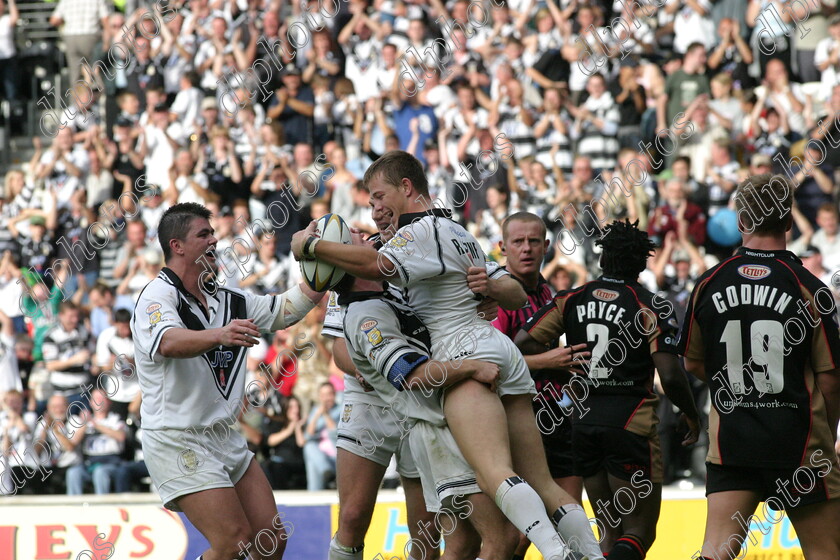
[
  {"x": 558, "y": 450},
  {"x": 779, "y": 488},
  {"x": 620, "y": 452}
]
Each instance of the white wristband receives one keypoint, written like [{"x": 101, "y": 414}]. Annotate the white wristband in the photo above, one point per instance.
[{"x": 293, "y": 307}]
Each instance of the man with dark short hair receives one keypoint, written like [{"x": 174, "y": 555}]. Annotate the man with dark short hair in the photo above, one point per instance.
[
  {"x": 762, "y": 332},
  {"x": 191, "y": 336}
]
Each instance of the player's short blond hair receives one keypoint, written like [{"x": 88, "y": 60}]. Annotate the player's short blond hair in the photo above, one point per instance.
[{"x": 763, "y": 203}]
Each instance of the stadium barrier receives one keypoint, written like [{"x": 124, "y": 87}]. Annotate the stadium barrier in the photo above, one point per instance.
[{"x": 135, "y": 526}]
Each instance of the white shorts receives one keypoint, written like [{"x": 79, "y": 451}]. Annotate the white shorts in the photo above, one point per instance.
[
  {"x": 444, "y": 473},
  {"x": 487, "y": 343},
  {"x": 182, "y": 462},
  {"x": 376, "y": 433}
]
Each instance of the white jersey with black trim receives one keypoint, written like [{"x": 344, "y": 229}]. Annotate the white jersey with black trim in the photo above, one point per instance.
[
  {"x": 432, "y": 253},
  {"x": 386, "y": 341},
  {"x": 181, "y": 393},
  {"x": 334, "y": 327}
]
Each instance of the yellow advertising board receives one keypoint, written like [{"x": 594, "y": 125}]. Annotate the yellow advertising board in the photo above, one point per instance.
[{"x": 679, "y": 533}]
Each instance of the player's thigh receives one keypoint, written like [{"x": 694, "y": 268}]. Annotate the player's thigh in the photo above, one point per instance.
[
  {"x": 219, "y": 515},
  {"x": 257, "y": 500},
  {"x": 810, "y": 523},
  {"x": 417, "y": 514},
  {"x": 359, "y": 479},
  {"x": 477, "y": 421},
  {"x": 724, "y": 533}
]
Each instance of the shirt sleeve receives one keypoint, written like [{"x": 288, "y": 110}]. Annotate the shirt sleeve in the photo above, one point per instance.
[
  {"x": 334, "y": 319},
  {"x": 263, "y": 309},
  {"x": 690, "y": 343},
  {"x": 155, "y": 313},
  {"x": 546, "y": 325},
  {"x": 372, "y": 331},
  {"x": 416, "y": 251}
]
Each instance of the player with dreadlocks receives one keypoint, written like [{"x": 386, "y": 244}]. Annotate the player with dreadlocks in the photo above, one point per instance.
[{"x": 630, "y": 332}]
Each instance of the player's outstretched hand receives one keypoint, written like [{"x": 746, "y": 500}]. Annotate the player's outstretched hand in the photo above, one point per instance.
[
  {"x": 487, "y": 373},
  {"x": 478, "y": 281},
  {"x": 240, "y": 332},
  {"x": 693, "y": 425},
  {"x": 488, "y": 309},
  {"x": 299, "y": 238},
  {"x": 573, "y": 358}
]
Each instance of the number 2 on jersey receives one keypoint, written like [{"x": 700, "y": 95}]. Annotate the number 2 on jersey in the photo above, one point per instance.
[
  {"x": 766, "y": 351},
  {"x": 600, "y": 335}
]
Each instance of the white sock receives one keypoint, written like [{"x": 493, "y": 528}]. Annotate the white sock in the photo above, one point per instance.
[
  {"x": 341, "y": 552},
  {"x": 523, "y": 507},
  {"x": 573, "y": 526}
]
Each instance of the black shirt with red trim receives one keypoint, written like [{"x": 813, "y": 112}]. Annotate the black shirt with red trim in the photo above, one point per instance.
[
  {"x": 623, "y": 324},
  {"x": 763, "y": 326}
]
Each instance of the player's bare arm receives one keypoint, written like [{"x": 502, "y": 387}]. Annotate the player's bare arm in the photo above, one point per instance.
[
  {"x": 359, "y": 260},
  {"x": 434, "y": 375},
  {"x": 695, "y": 368},
  {"x": 186, "y": 343},
  {"x": 828, "y": 383},
  {"x": 675, "y": 384},
  {"x": 505, "y": 290}
]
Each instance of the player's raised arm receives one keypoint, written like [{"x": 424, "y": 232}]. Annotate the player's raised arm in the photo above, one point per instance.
[
  {"x": 503, "y": 288},
  {"x": 359, "y": 260}
]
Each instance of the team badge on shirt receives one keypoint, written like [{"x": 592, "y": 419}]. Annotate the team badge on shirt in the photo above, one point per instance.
[
  {"x": 153, "y": 311},
  {"x": 345, "y": 416},
  {"x": 374, "y": 336}
]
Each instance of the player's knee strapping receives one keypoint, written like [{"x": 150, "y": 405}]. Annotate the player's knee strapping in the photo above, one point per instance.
[
  {"x": 573, "y": 525},
  {"x": 628, "y": 547},
  {"x": 340, "y": 552}
]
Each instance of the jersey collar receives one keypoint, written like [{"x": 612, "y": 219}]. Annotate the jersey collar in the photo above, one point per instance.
[
  {"x": 783, "y": 254},
  {"x": 408, "y": 218},
  {"x": 208, "y": 287}
]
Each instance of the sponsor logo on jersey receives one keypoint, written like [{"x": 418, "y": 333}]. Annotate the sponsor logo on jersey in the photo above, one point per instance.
[
  {"x": 332, "y": 302},
  {"x": 604, "y": 295},
  {"x": 754, "y": 271},
  {"x": 345, "y": 416},
  {"x": 458, "y": 232},
  {"x": 373, "y": 334},
  {"x": 152, "y": 308},
  {"x": 154, "y": 318}
]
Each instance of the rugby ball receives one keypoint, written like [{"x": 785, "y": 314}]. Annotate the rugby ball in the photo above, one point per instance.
[{"x": 318, "y": 275}]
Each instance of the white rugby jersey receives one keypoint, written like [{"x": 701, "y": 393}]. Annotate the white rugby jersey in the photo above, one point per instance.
[
  {"x": 194, "y": 392},
  {"x": 432, "y": 253},
  {"x": 386, "y": 341}
]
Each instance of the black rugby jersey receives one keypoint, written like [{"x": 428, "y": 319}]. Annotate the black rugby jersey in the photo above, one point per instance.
[
  {"x": 763, "y": 325},
  {"x": 623, "y": 324}
]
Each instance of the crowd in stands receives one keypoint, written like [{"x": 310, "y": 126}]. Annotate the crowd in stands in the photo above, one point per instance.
[{"x": 578, "y": 111}]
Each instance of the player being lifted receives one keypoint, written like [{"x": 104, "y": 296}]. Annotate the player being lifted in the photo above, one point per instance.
[
  {"x": 614, "y": 441},
  {"x": 191, "y": 337},
  {"x": 369, "y": 434},
  {"x": 428, "y": 257},
  {"x": 761, "y": 331},
  {"x": 524, "y": 246},
  {"x": 389, "y": 346}
]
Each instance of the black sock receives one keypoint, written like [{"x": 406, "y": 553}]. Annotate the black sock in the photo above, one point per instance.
[{"x": 628, "y": 547}]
